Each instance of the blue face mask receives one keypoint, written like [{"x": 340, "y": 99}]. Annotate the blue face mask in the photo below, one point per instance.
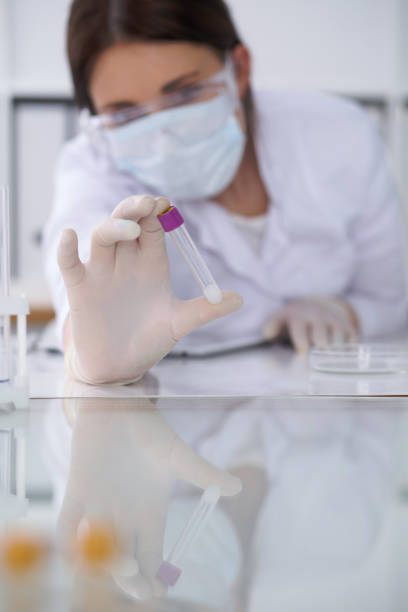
[{"x": 188, "y": 152}]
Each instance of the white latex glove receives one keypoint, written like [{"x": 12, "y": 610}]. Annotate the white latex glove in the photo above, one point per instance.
[
  {"x": 317, "y": 321},
  {"x": 123, "y": 315},
  {"x": 125, "y": 458}
]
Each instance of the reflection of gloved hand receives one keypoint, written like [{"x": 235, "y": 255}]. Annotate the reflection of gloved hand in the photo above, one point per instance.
[
  {"x": 317, "y": 321},
  {"x": 124, "y": 460},
  {"x": 123, "y": 315}
]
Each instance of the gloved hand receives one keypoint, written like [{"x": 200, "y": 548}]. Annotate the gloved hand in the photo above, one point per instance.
[
  {"x": 125, "y": 458},
  {"x": 123, "y": 315},
  {"x": 315, "y": 321}
]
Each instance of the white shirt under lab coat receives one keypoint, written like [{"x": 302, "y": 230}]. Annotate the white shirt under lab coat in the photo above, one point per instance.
[{"x": 333, "y": 225}]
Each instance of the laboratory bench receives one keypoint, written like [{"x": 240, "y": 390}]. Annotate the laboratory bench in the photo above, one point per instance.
[
  {"x": 321, "y": 523},
  {"x": 263, "y": 370}
]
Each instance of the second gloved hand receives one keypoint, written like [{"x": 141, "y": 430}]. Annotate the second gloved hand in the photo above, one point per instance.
[
  {"x": 315, "y": 321},
  {"x": 123, "y": 314}
]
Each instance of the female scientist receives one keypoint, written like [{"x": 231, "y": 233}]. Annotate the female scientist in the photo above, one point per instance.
[{"x": 288, "y": 197}]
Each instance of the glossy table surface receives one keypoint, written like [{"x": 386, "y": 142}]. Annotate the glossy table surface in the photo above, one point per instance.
[
  {"x": 260, "y": 371},
  {"x": 321, "y": 523}
]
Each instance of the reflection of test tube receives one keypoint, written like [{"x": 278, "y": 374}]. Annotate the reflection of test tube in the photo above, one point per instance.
[
  {"x": 5, "y": 461},
  {"x": 13, "y": 502},
  {"x": 173, "y": 223},
  {"x": 5, "y": 347},
  {"x": 169, "y": 571}
]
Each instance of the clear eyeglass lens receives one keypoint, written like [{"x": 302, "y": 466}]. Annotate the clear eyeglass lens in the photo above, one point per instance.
[
  {"x": 181, "y": 129},
  {"x": 190, "y": 94}
]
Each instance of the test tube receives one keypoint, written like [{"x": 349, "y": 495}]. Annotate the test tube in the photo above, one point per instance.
[
  {"x": 5, "y": 346},
  {"x": 169, "y": 572},
  {"x": 172, "y": 222},
  {"x": 5, "y": 461}
]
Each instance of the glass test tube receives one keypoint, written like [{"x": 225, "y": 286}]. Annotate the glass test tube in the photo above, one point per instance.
[
  {"x": 169, "y": 571},
  {"x": 173, "y": 223},
  {"x": 5, "y": 461},
  {"x": 5, "y": 345}
]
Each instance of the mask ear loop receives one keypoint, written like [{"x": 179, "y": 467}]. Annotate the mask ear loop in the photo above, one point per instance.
[
  {"x": 91, "y": 127},
  {"x": 230, "y": 69}
]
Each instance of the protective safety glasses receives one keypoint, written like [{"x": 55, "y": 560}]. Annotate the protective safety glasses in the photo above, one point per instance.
[{"x": 223, "y": 82}]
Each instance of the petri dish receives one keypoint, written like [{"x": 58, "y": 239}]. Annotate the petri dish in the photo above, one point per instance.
[{"x": 359, "y": 359}]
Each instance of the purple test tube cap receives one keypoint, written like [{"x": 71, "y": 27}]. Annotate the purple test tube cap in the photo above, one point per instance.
[
  {"x": 168, "y": 573},
  {"x": 171, "y": 219}
]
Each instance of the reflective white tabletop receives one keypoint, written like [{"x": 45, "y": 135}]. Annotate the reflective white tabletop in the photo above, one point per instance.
[
  {"x": 258, "y": 371},
  {"x": 321, "y": 522}
]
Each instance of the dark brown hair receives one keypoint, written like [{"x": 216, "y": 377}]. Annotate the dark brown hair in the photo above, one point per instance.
[{"x": 95, "y": 25}]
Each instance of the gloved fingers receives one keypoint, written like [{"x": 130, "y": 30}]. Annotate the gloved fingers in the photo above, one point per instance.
[
  {"x": 145, "y": 538},
  {"x": 105, "y": 237},
  {"x": 135, "y": 208},
  {"x": 275, "y": 325},
  {"x": 144, "y": 210},
  {"x": 191, "y": 467},
  {"x": 320, "y": 333},
  {"x": 342, "y": 333},
  {"x": 136, "y": 586},
  {"x": 71, "y": 267},
  {"x": 298, "y": 333},
  {"x": 98, "y": 542},
  {"x": 351, "y": 334},
  {"x": 127, "y": 565},
  {"x": 162, "y": 204},
  {"x": 339, "y": 334},
  {"x": 150, "y": 537},
  {"x": 153, "y": 237},
  {"x": 71, "y": 514},
  {"x": 190, "y": 314}
]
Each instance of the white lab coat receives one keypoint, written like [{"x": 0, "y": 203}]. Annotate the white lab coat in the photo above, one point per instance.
[{"x": 333, "y": 227}]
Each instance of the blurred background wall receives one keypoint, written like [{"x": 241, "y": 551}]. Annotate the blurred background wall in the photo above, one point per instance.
[{"x": 356, "y": 48}]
